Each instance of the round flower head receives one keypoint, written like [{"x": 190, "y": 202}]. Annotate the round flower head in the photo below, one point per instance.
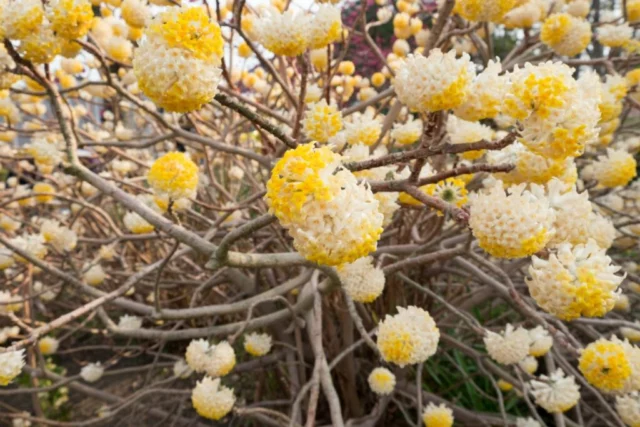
[
  {"x": 175, "y": 78},
  {"x": 95, "y": 275},
  {"x": 628, "y": 407},
  {"x": 485, "y": 96},
  {"x": 362, "y": 281},
  {"x": 615, "y": 169},
  {"x": 181, "y": 369},
  {"x": 462, "y": 132},
  {"x": 220, "y": 359},
  {"x": 40, "y": 46},
  {"x": 525, "y": 15},
  {"x": 70, "y": 19},
  {"x": 514, "y": 224},
  {"x": 601, "y": 230},
  {"x": 24, "y": 18},
  {"x": 484, "y": 10},
  {"x": 48, "y": 345},
  {"x": 577, "y": 281},
  {"x": 566, "y": 34},
  {"x": 614, "y": 35},
  {"x": 211, "y": 400},
  {"x": 566, "y": 134},
  {"x": 409, "y": 337},
  {"x": 127, "y": 322},
  {"x": 529, "y": 364},
  {"x": 61, "y": 238},
  {"x": 11, "y": 363},
  {"x": 92, "y": 372},
  {"x": 510, "y": 347},
  {"x": 325, "y": 27},
  {"x": 407, "y": 133},
  {"x": 573, "y": 213},
  {"x": 188, "y": 29},
  {"x": 135, "y": 13},
  {"x": 286, "y": 34},
  {"x": 33, "y": 244},
  {"x": 579, "y": 8},
  {"x": 437, "y": 82},
  {"x": 555, "y": 393},
  {"x": 136, "y": 224},
  {"x": 332, "y": 218},
  {"x": 196, "y": 355},
  {"x": 531, "y": 167},
  {"x": 322, "y": 121},
  {"x": 437, "y": 416},
  {"x": 540, "y": 341},
  {"x": 382, "y": 381},
  {"x": 174, "y": 175},
  {"x": 451, "y": 190},
  {"x": 9, "y": 302},
  {"x": 363, "y": 129},
  {"x": 611, "y": 365},
  {"x": 257, "y": 344}
]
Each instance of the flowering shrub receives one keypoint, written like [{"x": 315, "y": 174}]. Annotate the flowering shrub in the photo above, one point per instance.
[{"x": 319, "y": 213}]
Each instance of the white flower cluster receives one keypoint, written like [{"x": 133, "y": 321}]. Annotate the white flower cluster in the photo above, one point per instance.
[
  {"x": 409, "y": 337},
  {"x": 11, "y": 363},
  {"x": 61, "y": 238},
  {"x": 212, "y": 400},
  {"x": 576, "y": 281},
  {"x": 92, "y": 372},
  {"x": 510, "y": 347},
  {"x": 555, "y": 393},
  {"x": 257, "y": 344},
  {"x": 216, "y": 360},
  {"x": 362, "y": 281}
]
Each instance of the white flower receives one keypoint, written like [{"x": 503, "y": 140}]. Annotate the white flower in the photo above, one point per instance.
[
  {"x": 9, "y": 303},
  {"x": 555, "y": 393},
  {"x": 92, "y": 372},
  {"x": 462, "y": 132},
  {"x": 362, "y": 281},
  {"x": 136, "y": 224},
  {"x": 11, "y": 363},
  {"x": 577, "y": 281},
  {"x": 407, "y": 133},
  {"x": 529, "y": 364},
  {"x": 95, "y": 275},
  {"x": 257, "y": 344},
  {"x": 486, "y": 94},
  {"x": 8, "y": 332},
  {"x": 236, "y": 173},
  {"x": 127, "y": 322},
  {"x": 628, "y": 408},
  {"x": 573, "y": 213},
  {"x": 196, "y": 354},
  {"x": 615, "y": 169},
  {"x": 363, "y": 129},
  {"x": 437, "y": 82},
  {"x": 285, "y": 34},
  {"x": 33, "y": 244},
  {"x": 614, "y": 35},
  {"x": 221, "y": 359},
  {"x": 48, "y": 345},
  {"x": 409, "y": 337},
  {"x": 631, "y": 334},
  {"x": 510, "y": 347},
  {"x": 382, "y": 381},
  {"x": 514, "y": 224},
  {"x": 181, "y": 369},
  {"x": 541, "y": 341},
  {"x": 437, "y": 415},
  {"x": 325, "y": 27},
  {"x": 211, "y": 400},
  {"x": 61, "y": 238},
  {"x": 601, "y": 230}
]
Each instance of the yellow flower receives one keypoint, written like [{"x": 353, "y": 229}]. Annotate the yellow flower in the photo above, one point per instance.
[
  {"x": 189, "y": 29},
  {"x": 70, "y": 19},
  {"x": 566, "y": 34},
  {"x": 44, "y": 189},
  {"x": 605, "y": 365},
  {"x": 174, "y": 175},
  {"x": 437, "y": 416},
  {"x": 322, "y": 121}
]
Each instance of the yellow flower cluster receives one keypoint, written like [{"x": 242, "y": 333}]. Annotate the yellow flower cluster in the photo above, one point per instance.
[
  {"x": 332, "y": 218},
  {"x": 437, "y": 416},
  {"x": 70, "y": 19},
  {"x": 566, "y": 34},
  {"x": 177, "y": 65},
  {"x": 174, "y": 175},
  {"x": 484, "y": 10},
  {"x": 605, "y": 364},
  {"x": 322, "y": 121}
]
